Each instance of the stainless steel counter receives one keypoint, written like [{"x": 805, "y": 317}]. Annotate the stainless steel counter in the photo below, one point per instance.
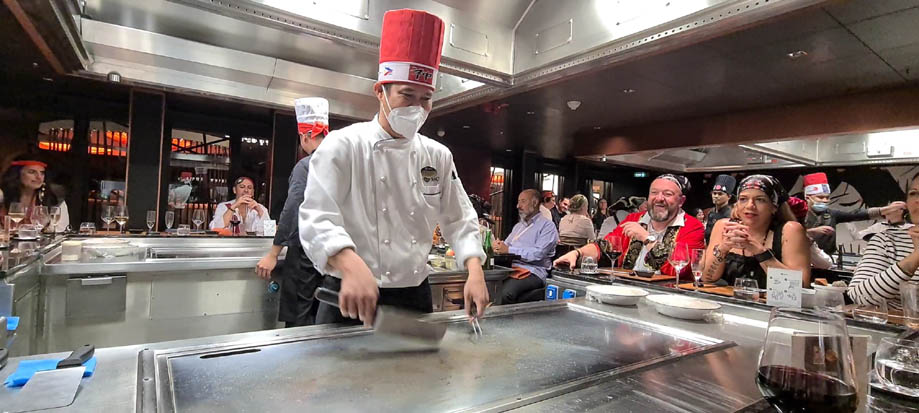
[{"x": 565, "y": 361}]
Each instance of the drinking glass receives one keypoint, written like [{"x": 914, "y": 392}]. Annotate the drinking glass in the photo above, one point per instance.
[
  {"x": 612, "y": 248},
  {"x": 830, "y": 300},
  {"x": 696, "y": 256},
  {"x": 87, "y": 228},
  {"x": 909, "y": 295},
  {"x": 679, "y": 258},
  {"x": 16, "y": 212},
  {"x": 121, "y": 216},
  {"x": 746, "y": 288},
  {"x": 39, "y": 217},
  {"x": 588, "y": 265},
  {"x": 806, "y": 363},
  {"x": 198, "y": 218},
  {"x": 183, "y": 229},
  {"x": 871, "y": 312},
  {"x": 108, "y": 215},
  {"x": 55, "y": 213},
  {"x": 897, "y": 365},
  {"x": 170, "y": 217},
  {"x": 151, "y": 220}
]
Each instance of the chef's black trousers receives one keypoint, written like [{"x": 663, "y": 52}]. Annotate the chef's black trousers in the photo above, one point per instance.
[
  {"x": 514, "y": 291},
  {"x": 299, "y": 280},
  {"x": 410, "y": 298}
]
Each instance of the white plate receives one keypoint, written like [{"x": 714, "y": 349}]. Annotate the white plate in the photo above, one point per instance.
[
  {"x": 829, "y": 287},
  {"x": 616, "y": 294},
  {"x": 105, "y": 241},
  {"x": 680, "y": 306}
]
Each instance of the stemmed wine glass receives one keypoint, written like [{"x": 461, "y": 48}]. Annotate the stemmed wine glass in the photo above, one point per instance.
[
  {"x": 696, "y": 256},
  {"x": 151, "y": 220},
  {"x": 16, "y": 212},
  {"x": 612, "y": 248},
  {"x": 121, "y": 216},
  {"x": 806, "y": 363},
  {"x": 39, "y": 217},
  {"x": 108, "y": 215},
  {"x": 55, "y": 213},
  {"x": 170, "y": 218},
  {"x": 197, "y": 219},
  {"x": 679, "y": 258}
]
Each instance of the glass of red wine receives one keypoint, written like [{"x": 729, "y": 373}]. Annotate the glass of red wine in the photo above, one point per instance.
[
  {"x": 612, "y": 248},
  {"x": 806, "y": 364}
]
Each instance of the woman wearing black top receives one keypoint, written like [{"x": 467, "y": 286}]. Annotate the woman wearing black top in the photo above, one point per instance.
[{"x": 762, "y": 233}]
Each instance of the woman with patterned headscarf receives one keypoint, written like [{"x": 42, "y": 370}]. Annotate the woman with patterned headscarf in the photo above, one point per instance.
[{"x": 761, "y": 233}]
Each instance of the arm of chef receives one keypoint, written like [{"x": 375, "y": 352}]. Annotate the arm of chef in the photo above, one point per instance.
[
  {"x": 322, "y": 231},
  {"x": 458, "y": 220},
  {"x": 287, "y": 222}
]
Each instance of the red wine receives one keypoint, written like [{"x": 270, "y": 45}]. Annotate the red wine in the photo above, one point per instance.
[{"x": 791, "y": 389}]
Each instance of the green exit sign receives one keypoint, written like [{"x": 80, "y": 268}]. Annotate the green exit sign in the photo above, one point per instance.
[{"x": 640, "y": 174}]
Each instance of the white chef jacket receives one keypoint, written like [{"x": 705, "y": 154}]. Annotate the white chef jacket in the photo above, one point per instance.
[
  {"x": 253, "y": 222},
  {"x": 383, "y": 197}
]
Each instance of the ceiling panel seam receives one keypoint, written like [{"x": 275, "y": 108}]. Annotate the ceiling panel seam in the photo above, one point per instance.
[{"x": 874, "y": 52}]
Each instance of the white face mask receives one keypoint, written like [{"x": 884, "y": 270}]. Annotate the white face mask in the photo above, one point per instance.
[{"x": 405, "y": 121}]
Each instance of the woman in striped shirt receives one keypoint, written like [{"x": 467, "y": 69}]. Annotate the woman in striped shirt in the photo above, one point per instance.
[{"x": 892, "y": 258}]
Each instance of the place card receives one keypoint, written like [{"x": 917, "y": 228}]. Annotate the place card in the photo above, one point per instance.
[{"x": 783, "y": 287}]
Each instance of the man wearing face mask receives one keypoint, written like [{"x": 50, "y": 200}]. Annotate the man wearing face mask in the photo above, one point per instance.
[
  {"x": 377, "y": 189},
  {"x": 821, "y": 220}
]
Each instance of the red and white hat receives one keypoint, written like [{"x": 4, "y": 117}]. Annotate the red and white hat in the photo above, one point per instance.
[
  {"x": 410, "y": 47},
  {"x": 816, "y": 184},
  {"x": 312, "y": 115}
]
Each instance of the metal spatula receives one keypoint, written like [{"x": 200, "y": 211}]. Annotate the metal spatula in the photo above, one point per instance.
[
  {"x": 397, "y": 323},
  {"x": 54, "y": 388}
]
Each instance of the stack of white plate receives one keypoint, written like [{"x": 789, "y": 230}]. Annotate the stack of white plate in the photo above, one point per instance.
[
  {"x": 681, "y": 306},
  {"x": 616, "y": 294}
]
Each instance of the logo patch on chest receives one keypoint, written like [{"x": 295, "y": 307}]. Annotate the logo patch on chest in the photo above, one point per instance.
[{"x": 430, "y": 181}]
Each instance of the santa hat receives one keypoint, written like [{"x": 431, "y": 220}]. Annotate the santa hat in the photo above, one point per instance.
[
  {"x": 410, "y": 47},
  {"x": 312, "y": 115},
  {"x": 816, "y": 184}
]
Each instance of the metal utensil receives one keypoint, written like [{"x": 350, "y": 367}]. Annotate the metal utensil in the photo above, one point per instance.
[
  {"x": 397, "y": 323},
  {"x": 54, "y": 388}
]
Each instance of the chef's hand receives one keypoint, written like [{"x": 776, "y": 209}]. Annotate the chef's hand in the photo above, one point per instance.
[
  {"x": 359, "y": 292},
  {"x": 570, "y": 259},
  {"x": 824, "y": 230},
  {"x": 634, "y": 231},
  {"x": 500, "y": 247},
  {"x": 265, "y": 266},
  {"x": 475, "y": 290}
]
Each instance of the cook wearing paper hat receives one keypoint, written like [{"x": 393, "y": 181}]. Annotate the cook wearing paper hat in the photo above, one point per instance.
[
  {"x": 377, "y": 189},
  {"x": 821, "y": 220}
]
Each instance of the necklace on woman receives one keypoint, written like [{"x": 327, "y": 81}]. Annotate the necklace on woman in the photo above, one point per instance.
[{"x": 744, "y": 250}]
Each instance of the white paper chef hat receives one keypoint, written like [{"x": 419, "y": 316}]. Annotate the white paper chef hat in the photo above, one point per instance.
[{"x": 312, "y": 115}]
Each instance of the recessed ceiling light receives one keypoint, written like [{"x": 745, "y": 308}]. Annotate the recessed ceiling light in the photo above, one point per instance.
[
  {"x": 501, "y": 133},
  {"x": 508, "y": 150},
  {"x": 628, "y": 91},
  {"x": 796, "y": 54},
  {"x": 466, "y": 126},
  {"x": 597, "y": 128},
  {"x": 603, "y": 158},
  {"x": 226, "y": 136},
  {"x": 574, "y": 104},
  {"x": 47, "y": 79},
  {"x": 531, "y": 112}
]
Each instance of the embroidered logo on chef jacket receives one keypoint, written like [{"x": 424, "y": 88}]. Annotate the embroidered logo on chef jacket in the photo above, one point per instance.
[{"x": 430, "y": 181}]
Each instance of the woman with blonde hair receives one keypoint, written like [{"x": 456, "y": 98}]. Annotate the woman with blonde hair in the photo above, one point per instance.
[{"x": 576, "y": 228}]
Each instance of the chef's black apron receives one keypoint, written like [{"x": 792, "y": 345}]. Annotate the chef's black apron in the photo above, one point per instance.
[
  {"x": 410, "y": 298},
  {"x": 299, "y": 280}
]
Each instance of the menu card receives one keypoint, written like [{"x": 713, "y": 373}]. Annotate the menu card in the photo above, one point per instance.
[{"x": 783, "y": 287}]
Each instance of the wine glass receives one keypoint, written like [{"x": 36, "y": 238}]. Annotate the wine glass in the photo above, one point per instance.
[
  {"x": 197, "y": 219},
  {"x": 696, "y": 256},
  {"x": 806, "y": 363},
  {"x": 121, "y": 216},
  {"x": 612, "y": 248},
  {"x": 170, "y": 218},
  {"x": 39, "y": 217},
  {"x": 16, "y": 212},
  {"x": 679, "y": 258},
  {"x": 896, "y": 363},
  {"x": 55, "y": 213},
  {"x": 108, "y": 215},
  {"x": 151, "y": 220}
]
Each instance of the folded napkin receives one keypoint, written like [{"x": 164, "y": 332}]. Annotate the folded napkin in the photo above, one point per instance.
[
  {"x": 27, "y": 368},
  {"x": 12, "y": 323}
]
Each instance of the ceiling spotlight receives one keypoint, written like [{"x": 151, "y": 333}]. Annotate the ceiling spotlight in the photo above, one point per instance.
[
  {"x": 441, "y": 133},
  {"x": 501, "y": 133},
  {"x": 597, "y": 128},
  {"x": 796, "y": 54},
  {"x": 48, "y": 79},
  {"x": 531, "y": 112},
  {"x": 628, "y": 91},
  {"x": 113, "y": 77},
  {"x": 466, "y": 126},
  {"x": 603, "y": 158},
  {"x": 508, "y": 150},
  {"x": 574, "y": 104}
]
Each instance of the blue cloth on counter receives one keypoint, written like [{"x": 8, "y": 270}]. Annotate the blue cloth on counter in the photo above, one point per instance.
[
  {"x": 27, "y": 368},
  {"x": 12, "y": 323}
]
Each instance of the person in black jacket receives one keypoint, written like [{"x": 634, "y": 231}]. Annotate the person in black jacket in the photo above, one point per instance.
[
  {"x": 721, "y": 198},
  {"x": 299, "y": 279},
  {"x": 821, "y": 220}
]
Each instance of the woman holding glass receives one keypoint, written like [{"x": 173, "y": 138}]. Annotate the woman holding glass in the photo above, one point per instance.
[
  {"x": 24, "y": 192},
  {"x": 762, "y": 233},
  {"x": 247, "y": 211}
]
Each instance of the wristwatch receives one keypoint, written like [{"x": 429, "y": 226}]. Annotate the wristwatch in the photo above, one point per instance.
[
  {"x": 651, "y": 238},
  {"x": 764, "y": 256}
]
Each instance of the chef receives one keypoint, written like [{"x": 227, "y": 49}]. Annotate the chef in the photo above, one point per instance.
[
  {"x": 299, "y": 278},
  {"x": 378, "y": 188},
  {"x": 721, "y": 198}
]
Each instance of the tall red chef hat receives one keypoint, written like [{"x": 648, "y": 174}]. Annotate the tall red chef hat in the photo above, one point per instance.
[
  {"x": 410, "y": 47},
  {"x": 816, "y": 184}
]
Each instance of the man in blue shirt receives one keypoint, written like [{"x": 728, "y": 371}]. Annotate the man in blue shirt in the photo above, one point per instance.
[{"x": 533, "y": 239}]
